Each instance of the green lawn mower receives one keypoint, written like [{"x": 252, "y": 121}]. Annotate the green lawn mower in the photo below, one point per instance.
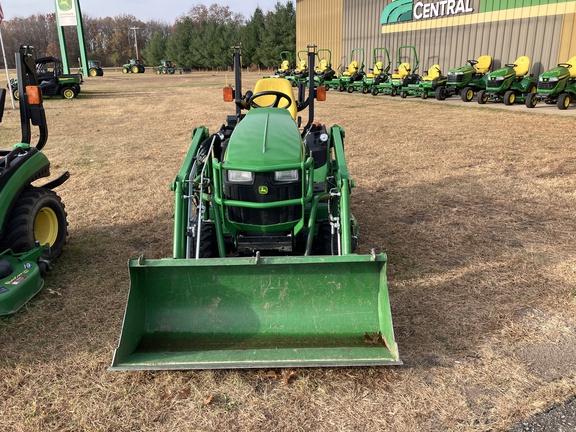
[
  {"x": 286, "y": 67},
  {"x": 324, "y": 75},
  {"x": 467, "y": 80},
  {"x": 263, "y": 272},
  {"x": 403, "y": 76},
  {"x": 300, "y": 72},
  {"x": 33, "y": 225},
  {"x": 353, "y": 77},
  {"x": 556, "y": 86},
  {"x": 427, "y": 85},
  {"x": 509, "y": 84},
  {"x": 380, "y": 72}
]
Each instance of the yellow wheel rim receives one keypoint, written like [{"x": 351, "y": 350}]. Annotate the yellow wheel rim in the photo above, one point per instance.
[
  {"x": 566, "y": 102},
  {"x": 46, "y": 226}
]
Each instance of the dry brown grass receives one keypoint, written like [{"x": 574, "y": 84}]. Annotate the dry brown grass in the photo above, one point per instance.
[{"x": 475, "y": 208}]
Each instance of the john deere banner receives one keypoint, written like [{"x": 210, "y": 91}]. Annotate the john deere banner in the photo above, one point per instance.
[{"x": 66, "y": 10}]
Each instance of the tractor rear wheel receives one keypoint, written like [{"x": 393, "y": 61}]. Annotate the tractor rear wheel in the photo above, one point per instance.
[
  {"x": 16, "y": 94},
  {"x": 509, "y": 97},
  {"x": 404, "y": 94},
  {"x": 135, "y": 69},
  {"x": 482, "y": 97},
  {"x": 38, "y": 216},
  {"x": 440, "y": 93},
  {"x": 531, "y": 100},
  {"x": 365, "y": 90},
  {"x": 350, "y": 89},
  {"x": 393, "y": 92},
  {"x": 563, "y": 101},
  {"x": 93, "y": 72}
]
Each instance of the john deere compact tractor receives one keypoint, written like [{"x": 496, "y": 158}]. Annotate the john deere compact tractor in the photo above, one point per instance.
[
  {"x": 509, "y": 84},
  {"x": 33, "y": 225},
  {"x": 467, "y": 80},
  {"x": 133, "y": 66},
  {"x": 556, "y": 86},
  {"x": 263, "y": 272}
]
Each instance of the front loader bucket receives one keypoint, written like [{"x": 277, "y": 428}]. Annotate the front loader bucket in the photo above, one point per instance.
[{"x": 257, "y": 312}]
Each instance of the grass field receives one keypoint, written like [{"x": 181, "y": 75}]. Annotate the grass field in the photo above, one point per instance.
[{"x": 473, "y": 205}]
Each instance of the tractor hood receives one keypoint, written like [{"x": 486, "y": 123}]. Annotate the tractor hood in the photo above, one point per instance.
[
  {"x": 558, "y": 72},
  {"x": 467, "y": 69},
  {"x": 266, "y": 137},
  {"x": 503, "y": 72}
]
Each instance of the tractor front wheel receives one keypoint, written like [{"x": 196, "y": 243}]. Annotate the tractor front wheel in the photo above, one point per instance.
[
  {"x": 440, "y": 93},
  {"x": 365, "y": 90},
  {"x": 38, "y": 216},
  {"x": 467, "y": 94},
  {"x": 393, "y": 92},
  {"x": 563, "y": 101},
  {"x": 375, "y": 92},
  {"x": 93, "y": 72},
  {"x": 510, "y": 97},
  {"x": 424, "y": 95},
  {"x": 404, "y": 94},
  {"x": 125, "y": 70},
  {"x": 350, "y": 89},
  {"x": 68, "y": 93},
  {"x": 16, "y": 94},
  {"x": 531, "y": 100}
]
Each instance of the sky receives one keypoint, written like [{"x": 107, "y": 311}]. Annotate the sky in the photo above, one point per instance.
[{"x": 145, "y": 10}]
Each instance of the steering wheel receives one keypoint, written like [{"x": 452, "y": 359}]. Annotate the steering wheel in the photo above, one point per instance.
[
  {"x": 279, "y": 96},
  {"x": 473, "y": 62},
  {"x": 565, "y": 65}
]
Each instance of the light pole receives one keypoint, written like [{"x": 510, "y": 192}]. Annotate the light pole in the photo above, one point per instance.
[{"x": 135, "y": 40}]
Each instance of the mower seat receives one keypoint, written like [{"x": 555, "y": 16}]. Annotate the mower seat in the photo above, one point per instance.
[
  {"x": 302, "y": 66},
  {"x": 403, "y": 70},
  {"x": 284, "y": 66},
  {"x": 433, "y": 73},
  {"x": 572, "y": 69},
  {"x": 352, "y": 68},
  {"x": 322, "y": 66},
  {"x": 281, "y": 85},
  {"x": 378, "y": 69},
  {"x": 484, "y": 64},
  {"x": 521, "y": 66}
]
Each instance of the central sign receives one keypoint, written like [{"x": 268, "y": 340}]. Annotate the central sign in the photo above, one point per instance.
[{"x": 407, "y": 10}]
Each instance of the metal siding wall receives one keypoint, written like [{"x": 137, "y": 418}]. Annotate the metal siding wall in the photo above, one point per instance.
[
  {"x": 319, "y": 22},
  {"x": 547, "y": 40}
]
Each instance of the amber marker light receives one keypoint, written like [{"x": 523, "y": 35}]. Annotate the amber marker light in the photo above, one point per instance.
[
  {"x": 228, "y": 94},
  {"x": 321, "y": 94},
  {"x": 34, "y": 95}
]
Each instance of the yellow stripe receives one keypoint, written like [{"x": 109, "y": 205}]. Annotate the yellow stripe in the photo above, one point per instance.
[{"x": 481, "y": 18}]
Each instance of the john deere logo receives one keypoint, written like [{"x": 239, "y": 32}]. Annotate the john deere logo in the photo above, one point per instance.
[
  {"x": 407, "y": 10},
  {"x": 262, "y": 190},
  {"x": 65, "y": 5}
]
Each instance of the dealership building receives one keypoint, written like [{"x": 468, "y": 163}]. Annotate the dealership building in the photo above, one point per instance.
[{"x": 444, "y": 32}]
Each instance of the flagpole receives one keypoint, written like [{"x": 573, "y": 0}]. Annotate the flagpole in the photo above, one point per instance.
[{"x": 6, "y": 67}]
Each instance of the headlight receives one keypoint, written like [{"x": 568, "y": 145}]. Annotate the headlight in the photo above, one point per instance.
[
  {"x": 286, "y": 176},
  {"x": 240, "y": 176}
]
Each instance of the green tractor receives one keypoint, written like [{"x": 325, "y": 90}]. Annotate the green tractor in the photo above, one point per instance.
[
  {"x": 286, "y": 67},
  {"x": 263, "y": 272},
  {"x": 380, "y": 72},
  {"x": 427, "y": 85},
  {"x": 509, "y": 84},
  {"x": 167, "y": 68},
  {"x": 403, "y": 76},
  {"x": 133, "y": 66},
  {"x": 33, "y": 225},
  {"x": 94, "y": 68},
  {"x": 467, "y": 80},
  {"x": 353, "y": 77},
  {"x": 556, "y": 86}
]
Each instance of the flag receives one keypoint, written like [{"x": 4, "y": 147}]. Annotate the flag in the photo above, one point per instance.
[{"x": 1, "y": 14}]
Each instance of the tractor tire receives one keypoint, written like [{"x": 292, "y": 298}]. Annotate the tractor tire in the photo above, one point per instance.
[
  {"x": 328, "y": 245},
  {"x": 393, "y": 92},
  {"x": 93, "y": 72},
  {"x": 531, "y": 100},
  {"x": 532, "y": 88},
  {"x": 68, "y": 93},
  {"x": 158, "y": 71},
  {"x": 482, "y": 97},
  {"x": 350, "y": 89},
  {"x": 16, "y": 94},
  {"x": 509, "y": 97},
  {"x": 375, "y": 92},
  {"x": 563, "y": 101},
  {"x": 135, "y": 69},
  {"x": 100, "y": 72},
  {"x": 164, "y": 71},
  {"x": 404, "y": 94},
  {"x": 467, "y": 94},
  {"x": 440, "y": 93},
  {"x": 424, "y": 95},
  {"x": 208, "y": 242},
  {"x": 38, "y": 216},
  {"x": 341, "y": 88},
  {"x": 125, "y": 70},
  {"x": 365, "y": 90}
]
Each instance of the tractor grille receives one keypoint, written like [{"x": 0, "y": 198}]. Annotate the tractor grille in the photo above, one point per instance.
[
  {"x": 276, "y": 191},
  {"x": 494, "y": 84},
  {"x": 455, "y": 78},
  {"x": 547, "y": 85}
]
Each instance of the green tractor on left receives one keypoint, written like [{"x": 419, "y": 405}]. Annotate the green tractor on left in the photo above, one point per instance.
[{"x": 33, "y": 220}]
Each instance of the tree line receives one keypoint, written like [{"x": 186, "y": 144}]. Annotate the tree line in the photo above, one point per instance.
[{"x": 200, "y": 39}]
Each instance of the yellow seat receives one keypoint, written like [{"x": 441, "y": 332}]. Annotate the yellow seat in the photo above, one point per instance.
[
  {"x": 484, "y": 64},
  {"x": 522, "y": 66},
  {"x": 433, "y": 73},
  {"x": 281, "y": 85},
  {"x": 403, "y": 70},
  {"x": 322, "y": 66},
  {"x": 302, "y": 66},
  {"x": 572, "y": 69},
  {"x": 378, "y": 68},
  {"x": 352, "y": 68},
  {"x": 284, "y": 66}
]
